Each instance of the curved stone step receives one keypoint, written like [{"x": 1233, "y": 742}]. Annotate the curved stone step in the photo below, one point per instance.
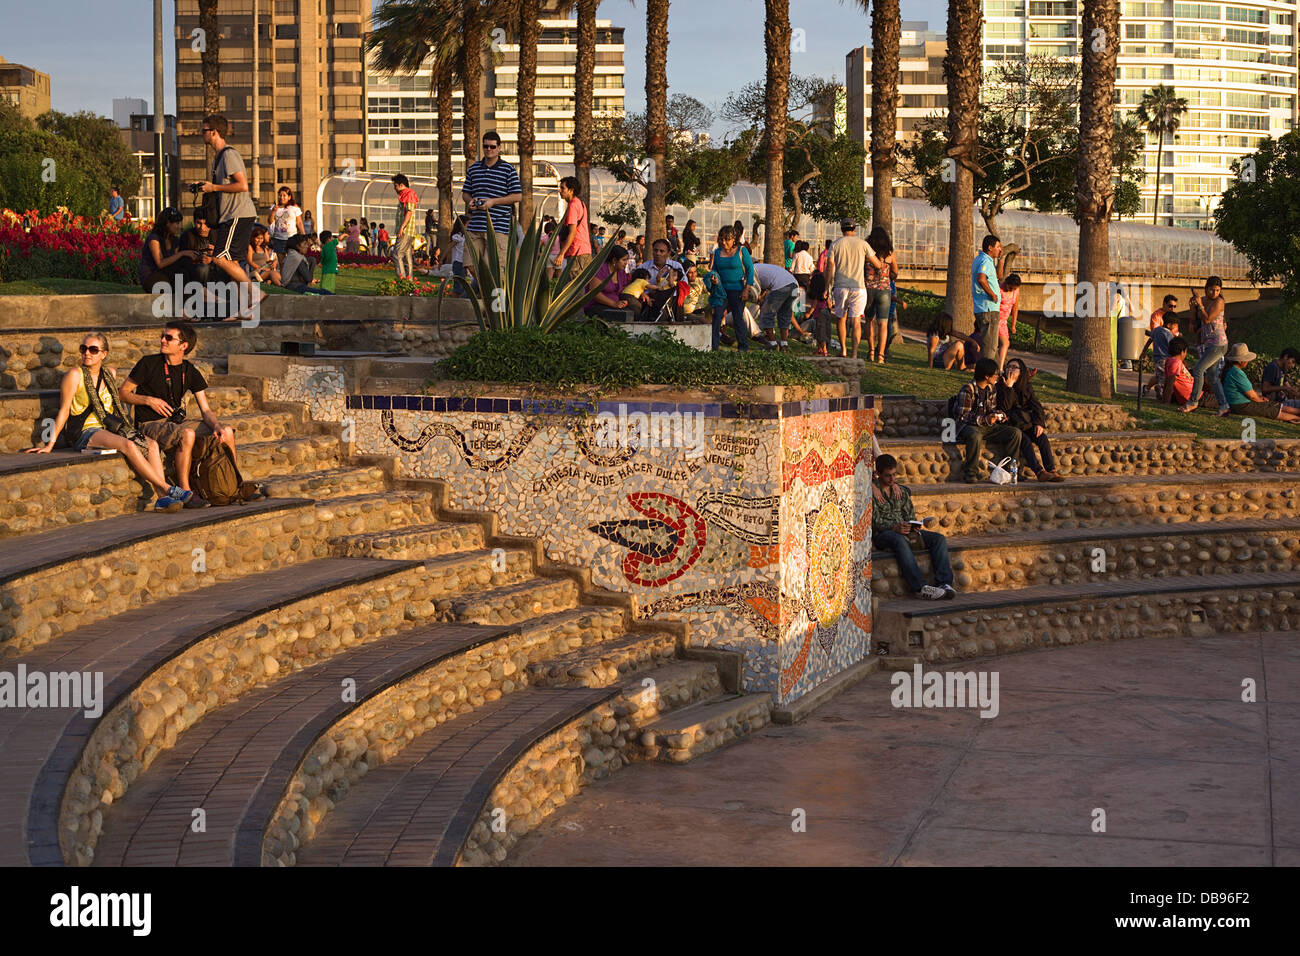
[
  {"x": 995, "y": 622},
  {"x": 900, "y": 416},
  {"x": 984, "y": 563},
  {"x": 689, "y": 732},
  {"x": 417, "y": 541},
  {"x": 604, "y": 664},
  {"x": 337, "y": 482},
  {"x": 42, "y": 745},
  {"x": 237, "y": 763},
  {"x": 517, "y": 602},
  {"x": 419, "y": 808}
]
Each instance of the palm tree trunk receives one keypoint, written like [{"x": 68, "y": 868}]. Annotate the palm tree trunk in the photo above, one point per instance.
[
  {"x": 446, "y": 80},
  {"x": 1160, "y": 146},
  {"x": 961, "y": 69},
  {"x": 584, "y": 96},
  {"x": 471, "y": 76},
  {"x": 886, "y": 29},
  {"x": 1090, "y": 349},
  {"x": 526, "y": 87},
  {"x": 656, "y": 115},
  {"x": 210, "y": 58},
  {"x": 776, "y": 39}
]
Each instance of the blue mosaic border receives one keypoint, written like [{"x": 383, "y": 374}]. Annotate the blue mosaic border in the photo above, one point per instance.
[{"x": 532, "y": 406}]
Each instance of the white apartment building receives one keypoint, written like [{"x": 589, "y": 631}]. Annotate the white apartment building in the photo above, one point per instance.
[
  {"x": 1234, "y": 62},
  {"x": 401, "y": 112}
]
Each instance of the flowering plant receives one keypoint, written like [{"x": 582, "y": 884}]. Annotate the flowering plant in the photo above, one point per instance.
[
  {"x": 60, "y": 244},
  {"x": 418, "y": 287}
]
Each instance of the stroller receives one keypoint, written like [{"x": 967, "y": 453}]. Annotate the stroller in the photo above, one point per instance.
[{"x": 666, "y": 305}]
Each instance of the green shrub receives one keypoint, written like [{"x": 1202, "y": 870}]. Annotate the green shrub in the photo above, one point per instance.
[{"x": 589, "y": 354}]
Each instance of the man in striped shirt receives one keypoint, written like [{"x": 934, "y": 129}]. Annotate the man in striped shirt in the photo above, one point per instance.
[{"x": 491, "y": 188}]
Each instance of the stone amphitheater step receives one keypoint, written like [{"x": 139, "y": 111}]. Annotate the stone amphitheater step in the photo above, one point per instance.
[
  {"x": 36, "y": 358},
  {"x": 517, "y": 602},
  {"x": 330, "y": 483},
  {"x": 1090, "y": 502},
  {"x": 994, "y": 622},
  {"x": 699, "y": 729},
  {"x": 60, "y": 579},
  {"x": 237, "y": 763},
  {"x": 40, "y": 492},
  {"x": 419, "y": 808},
  {"x": 42, "y": 744},
  {"x": 1128, "y": 552},
  {"x": 605, "y": 664},
  {"x": 417, "y": 541},
  {"x": 259, "y": 425},
  {"x": 906, "y": 416}
]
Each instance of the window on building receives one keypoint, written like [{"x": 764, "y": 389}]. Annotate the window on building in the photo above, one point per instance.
[
  {"x": 286, "y": 31},
  {"x": 1245, "y": 15},
  {"x": 1196, "y": 11}
]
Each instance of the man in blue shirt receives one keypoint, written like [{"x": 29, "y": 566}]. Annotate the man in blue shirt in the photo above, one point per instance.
[
  {"x": 987, "y": 294},
  {"x": 491, "y": 187},
  {"x": 116, "y": 204}
]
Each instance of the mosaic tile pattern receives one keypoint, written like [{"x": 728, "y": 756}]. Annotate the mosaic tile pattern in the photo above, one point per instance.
[
  {"x": 755, "y": 527},
  {"x": 321, "y": 387}
]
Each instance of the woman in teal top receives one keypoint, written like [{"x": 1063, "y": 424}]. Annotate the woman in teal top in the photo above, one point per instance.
[
  {"x": 731, "y": 269},
  {"x": 1241, "y": 395}
]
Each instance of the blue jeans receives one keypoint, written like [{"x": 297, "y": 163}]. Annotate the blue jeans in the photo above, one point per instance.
[
  {"x": 877, "y": 305},
  {"x": 1211, "y": 357},
  {"x": 778, "y": 309},
  {"x": 935, "y": 543},
  {"x": 458, "y": 269},
  {"x": 737, "y": 308}
]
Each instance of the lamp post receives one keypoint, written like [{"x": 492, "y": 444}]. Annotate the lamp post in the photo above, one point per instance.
[
  {"x": 159, "y": 124},
  {"x": 257, "y": 118}
]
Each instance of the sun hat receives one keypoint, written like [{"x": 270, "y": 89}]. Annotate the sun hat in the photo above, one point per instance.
[{"x": 1239, "y": 353}]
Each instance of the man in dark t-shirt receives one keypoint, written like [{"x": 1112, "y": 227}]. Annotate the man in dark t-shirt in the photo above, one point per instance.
[
  {"x": 1273, "y": 381},
  {"x": 157, "y": 387}
]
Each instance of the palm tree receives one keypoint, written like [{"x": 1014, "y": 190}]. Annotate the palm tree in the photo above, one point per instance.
[
  {"x": 584, "y": 96},
  {"x": 406, "y": 33},
  {"x": 776, "y": 37},
  {"x": 525, "y": 91},
  {"x": 961, "y": 70},
  {"x": 1090, "y": 349},
  {"x": 1161, "y": 113},
  {"x": 656, "y": 114},
  {"x": 471, "y": 75},
  {"x": 886, "y": 31},
  {"x": 210, "y": 58}
]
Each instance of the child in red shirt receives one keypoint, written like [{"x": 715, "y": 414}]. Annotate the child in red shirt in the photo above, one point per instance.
[{"x": 1178, "y": 380}]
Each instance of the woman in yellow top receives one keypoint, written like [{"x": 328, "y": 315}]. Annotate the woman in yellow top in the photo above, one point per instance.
[{"x": 85, "y": 430}]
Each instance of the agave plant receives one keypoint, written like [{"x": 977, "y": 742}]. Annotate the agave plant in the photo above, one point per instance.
[{"x": 515, "y": 293}]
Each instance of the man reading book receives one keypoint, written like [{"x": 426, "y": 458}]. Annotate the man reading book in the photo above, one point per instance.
[{"x": 894, "y": 525}]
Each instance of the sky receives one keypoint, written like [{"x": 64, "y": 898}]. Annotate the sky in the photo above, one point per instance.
[{"x": 97, "y": 50}]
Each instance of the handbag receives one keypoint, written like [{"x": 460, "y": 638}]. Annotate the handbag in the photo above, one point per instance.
[{"x": 998, "y": 474}]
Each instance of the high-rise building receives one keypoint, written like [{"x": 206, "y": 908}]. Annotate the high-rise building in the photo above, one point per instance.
[
  {"x": 124, "y": 107},
  {"x": 402, "y": 116},
  {"x": 138, "y": 136},
  {"x": 25, "y": 88},
  {"x": 1234, "y": 63},
  {"x": 310, "y": 77}
]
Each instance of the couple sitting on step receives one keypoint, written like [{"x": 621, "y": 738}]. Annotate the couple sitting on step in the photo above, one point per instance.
[
  {"x": 96, "y": 414},
  {"x": 1002, "y": 411}
]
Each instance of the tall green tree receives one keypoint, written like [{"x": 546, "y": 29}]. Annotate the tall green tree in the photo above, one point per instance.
[
  {"x": 1161, "y": 113},
  {"x": 1260, "y": 212},
  {"x": 106, "y": 157},
  {"x": 584, "y": 95},
  {"x": 1091, "y": 363},
  {"x": 886, "y": 35},
  {"x": 472, "y": 47},
  {"x": 961, "y": 70},
  {"x": 525, "y": 91},
  {"x": 656, "y": 115},
  {"x": 776, "y": 98}
]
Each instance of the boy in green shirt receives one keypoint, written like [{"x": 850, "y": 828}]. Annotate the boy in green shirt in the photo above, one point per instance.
[{"x": 329, "y": 261}]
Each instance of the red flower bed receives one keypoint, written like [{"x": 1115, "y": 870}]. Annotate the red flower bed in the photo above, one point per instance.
[{"x": 61, "y": 245}]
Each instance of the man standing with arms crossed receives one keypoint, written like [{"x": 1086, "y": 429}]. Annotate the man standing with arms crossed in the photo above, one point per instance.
[
  {"x": 846, "y": 278},
  {"x": 987, "y": 294},
  {"x": 236, "y": 212},
  {"x": 407, "y": 200},
  {"x": 491, "y": 187}
]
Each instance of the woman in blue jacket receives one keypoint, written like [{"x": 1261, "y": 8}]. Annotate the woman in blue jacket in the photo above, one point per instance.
[{"x": 731, "y": 270}]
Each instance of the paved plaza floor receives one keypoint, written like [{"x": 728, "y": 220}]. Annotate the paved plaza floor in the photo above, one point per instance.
[{"x": 1153, "y": 732}]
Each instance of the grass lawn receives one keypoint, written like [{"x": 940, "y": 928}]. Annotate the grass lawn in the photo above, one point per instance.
[
  {"x": 63, "y": 287},
  {"x": 907, "y": 374}
]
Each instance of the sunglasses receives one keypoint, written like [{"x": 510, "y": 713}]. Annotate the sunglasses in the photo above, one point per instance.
[
  {"x": 169, "y": 337},
  {"x": 491, "y": 146},
  {"x": 91, "y": 349}
]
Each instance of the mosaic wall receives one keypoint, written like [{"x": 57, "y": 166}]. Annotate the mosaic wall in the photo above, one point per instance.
[{"x": 752, "y": 523}]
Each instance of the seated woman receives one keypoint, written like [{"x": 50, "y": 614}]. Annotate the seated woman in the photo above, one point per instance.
[
  {"x": 1023, "y": 410},
  {"x": 610, "y": 279},
  {"x": 298, "y": 269},
  {"x": 947, "y": 350},
  {"x": 1241, "y": 394},
  {"x": 85, "y": 418},
  {"x": 697, "y": 298},
  {"x": 261, "y": 257},
  {"x": 162, "y": 260}
]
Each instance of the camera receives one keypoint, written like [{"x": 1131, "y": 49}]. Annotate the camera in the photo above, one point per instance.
[{"x": 195, "y": 188}]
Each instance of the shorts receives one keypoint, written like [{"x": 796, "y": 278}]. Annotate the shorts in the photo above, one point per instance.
[
  {"x": 877, "y": 305},
  {"x": 230, "y": 239},
  {"x": 1003, "y": 332},
  {"x": 84, "y": 441},
  {"x": 778, "y": 308},
  {"x": 1257, "y": 409},
  {"x": 281, "y": 246},
  {"x": 849, "y": 303},
  {"x": 168, "y": 434}
]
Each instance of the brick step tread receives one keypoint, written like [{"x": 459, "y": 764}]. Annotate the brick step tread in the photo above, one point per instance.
[
  {"x": 239, "y": 760},
  {"x": 599, "y": 665},
  {"x": 1026, "y": 538},
  {"x": 42, "y": 745},
  {"x": 946, "y": 489},
  {"x": 30, "y": 553},
  {"x": 415, "y": 532},
  {"x": 1143, "y": 437},
  {"x": 420, "y": 807},
  {"x": 1152, "y": 588},
  {"x": 696, "y": 716}
]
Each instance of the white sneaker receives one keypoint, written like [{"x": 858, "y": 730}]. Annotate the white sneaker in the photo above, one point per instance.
[
  {"x": 930, "y": 593},
  {"x": 949, "y": 591}
]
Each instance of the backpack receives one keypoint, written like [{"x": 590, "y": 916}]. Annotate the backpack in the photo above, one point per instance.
[{"x": 213, "y": 475}]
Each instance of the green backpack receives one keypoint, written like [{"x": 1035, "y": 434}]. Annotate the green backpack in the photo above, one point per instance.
[{"x": 213, "y": 475}]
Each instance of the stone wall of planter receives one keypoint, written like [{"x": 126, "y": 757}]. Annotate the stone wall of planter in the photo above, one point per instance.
[{"x": 905, "y": 416}]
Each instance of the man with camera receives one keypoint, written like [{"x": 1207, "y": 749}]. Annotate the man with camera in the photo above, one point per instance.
[
  {"x": 491, "y": 188},
  {"x": 157, "y": 387},
  {"x": 232, "y": 208}
]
